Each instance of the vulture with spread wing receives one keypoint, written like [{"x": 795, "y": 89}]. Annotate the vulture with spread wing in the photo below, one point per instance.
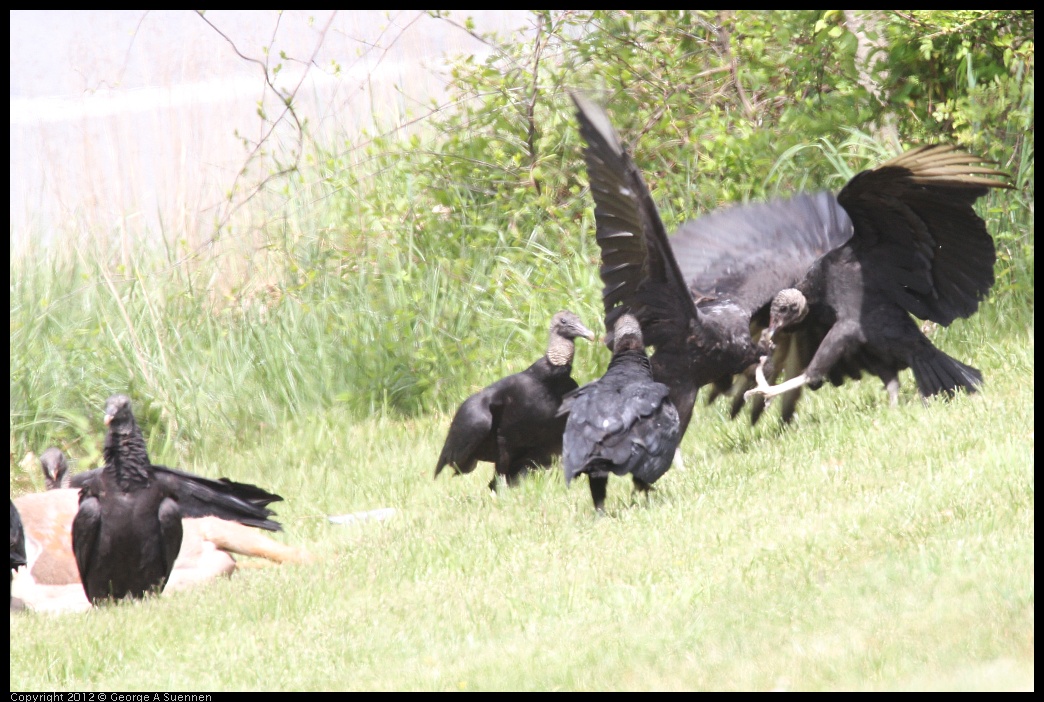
[
  {"x": 127, "y": 531},
  {"x": 899, "y": 239}
]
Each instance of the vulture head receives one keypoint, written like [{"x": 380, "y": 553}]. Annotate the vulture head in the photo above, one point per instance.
[
  {"x": 788, "y": 308},
  {"x": 627, "y": 334},
  {"x": 55, "y": 468},
  {"x": 118, "y": 415},
  {"x": 565, "y": 326}
]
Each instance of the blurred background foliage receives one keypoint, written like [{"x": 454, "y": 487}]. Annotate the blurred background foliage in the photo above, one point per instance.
[{"x": 403, "y": 270}]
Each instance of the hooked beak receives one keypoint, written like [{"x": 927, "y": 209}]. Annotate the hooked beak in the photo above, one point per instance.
[{"x": 584, "y": 332}]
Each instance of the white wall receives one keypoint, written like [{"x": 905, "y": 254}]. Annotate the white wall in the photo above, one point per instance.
[{"x": 125, "y": 121}]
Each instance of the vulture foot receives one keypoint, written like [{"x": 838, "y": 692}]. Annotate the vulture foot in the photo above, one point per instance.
[{"x": 770, "y": 391}]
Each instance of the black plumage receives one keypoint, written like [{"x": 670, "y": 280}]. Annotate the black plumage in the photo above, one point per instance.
[
  {"x": 703, "y": 296},
  {"x": 695, "y": 344},
  {"x": 623, "y": 423},
  {"x": 17, "y": 544},
  {"x": 514, "y": 422},
  {"x": 917, "y": 247},
  {"x": 197, "y": 496},
  {"x": 127, "y": 531}
]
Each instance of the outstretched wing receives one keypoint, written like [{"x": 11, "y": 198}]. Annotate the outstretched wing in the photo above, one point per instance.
[
  {"x": 744, "y": 255},
  {"x": 917, "y": 234},
  {"x": 638, "y": 266},
  {"x": 78, "y": 480},
  {"x": 748, "y": 253},
  {"x": 203, "y": 497}
]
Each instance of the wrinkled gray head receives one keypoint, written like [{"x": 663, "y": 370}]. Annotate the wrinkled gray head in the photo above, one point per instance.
[
  {"x": 788, "y": 307},
  {"x": 627, "y": 332},
  {"x": 565, "y": 326},
  {"x": 118, "y": 413},
  {"x": 568, "y": 326},
  {"x": 55, "y": 468}
]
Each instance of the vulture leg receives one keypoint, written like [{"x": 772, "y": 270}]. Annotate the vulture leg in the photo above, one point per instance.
[
  {"x": 743, "y": 383},
  {"x": 599, "y": 485},
  {"x": 502, "y": 467},
  {"x": 892, "y": 386},
  {"x": 517, "y": 472},
  {"x": 678, "y": 463},
  {"x": 793, "y": 363},
  {"x": 642, "y": 487}
]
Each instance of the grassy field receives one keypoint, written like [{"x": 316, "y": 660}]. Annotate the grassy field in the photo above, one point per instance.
[
  {"x": 322, "y": 353},
  {"x": 863, "y": 548}
]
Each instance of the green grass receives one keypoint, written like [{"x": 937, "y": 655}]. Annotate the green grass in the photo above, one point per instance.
[{"x": 863, "y": 548}]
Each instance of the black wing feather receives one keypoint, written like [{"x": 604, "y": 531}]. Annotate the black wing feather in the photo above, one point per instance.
[
  {"x": 622, "y": 423},
  {"x": 78, "y": 480},
  {"x": 638, "y": 266},
  {"x": 748, "y": 253},
  {"x": 86, "y": 529},
  {"x": 471, "y": 427},
  {"x": 171, "y": 532},
  {"x": 917, "y": 233},
  {"x": 204, "y": 497}
]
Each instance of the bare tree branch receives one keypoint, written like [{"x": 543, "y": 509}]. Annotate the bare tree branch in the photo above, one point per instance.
[{"x": 287, "y": 100}]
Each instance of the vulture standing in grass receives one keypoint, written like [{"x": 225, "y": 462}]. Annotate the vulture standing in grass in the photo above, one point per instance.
[
  {"x": 17, "y": 544},
  {"x": 902, "y": 238},
  {"x": 514, "y": 422},
  {"x": 622, "y": 423},
  {"x": 127, "y": 531}
]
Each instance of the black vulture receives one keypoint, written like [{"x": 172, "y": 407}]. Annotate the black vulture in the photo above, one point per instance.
[
  {"x": 514, "y": 422},
  {"x": 703, "y": 296},
  {"x": 18, "y": 559},
  {"x": 622, "y": 423},
  {"x": 209, "y": 547},
  {"x": 127, "y": 531},
  {"x": 917, "y": 247},
  {"x": 56, "y": 471}
]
